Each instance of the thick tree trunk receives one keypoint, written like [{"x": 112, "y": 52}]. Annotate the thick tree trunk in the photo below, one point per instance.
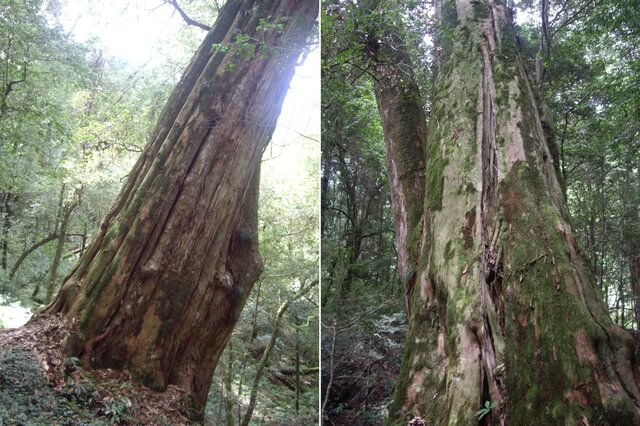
[
  {"x": 504, "y": 308},
  {"x": 161, "y": 287}
]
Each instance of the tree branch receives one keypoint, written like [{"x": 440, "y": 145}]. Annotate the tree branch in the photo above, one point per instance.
[
  {"x": 31, "y": 249},
  {"x": 186, "y": 17}
]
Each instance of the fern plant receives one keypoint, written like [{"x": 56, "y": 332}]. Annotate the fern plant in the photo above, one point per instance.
[{"x": 488, "y": 406}]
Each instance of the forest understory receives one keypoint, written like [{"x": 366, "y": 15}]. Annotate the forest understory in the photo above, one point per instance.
[{"x": 41, "y": 385}]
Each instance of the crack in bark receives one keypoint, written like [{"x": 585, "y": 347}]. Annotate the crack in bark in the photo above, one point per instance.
[
  {"x": 155, "y": 233},
  {"x": 490, "y": 264}
]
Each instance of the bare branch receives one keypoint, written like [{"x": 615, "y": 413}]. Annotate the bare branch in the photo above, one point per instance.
[
  {"x": 30, "y": 250},
  {"x": 186, "y": 17},
  {"x": 298, "y": 133}
]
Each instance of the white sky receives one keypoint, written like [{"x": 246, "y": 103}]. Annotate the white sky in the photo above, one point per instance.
[
  {"x": 135, "y": 30},
  {"x": 13, "y": 315}
]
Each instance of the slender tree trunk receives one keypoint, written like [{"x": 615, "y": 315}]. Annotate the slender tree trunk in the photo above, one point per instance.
[
  {"x": 83, "y": 244},
  {"x": 6, "y": 227},
  {"x": 220, "y": 404},
  {"x": 62, "y": 225},
  {"x": 634, "y": 269},
  {"x": 161, "y": 286},
  {"x": 28, "y": 251},
  {"x": 505, "y": 310},
  {"x": 332, "y": 351},
  {"x": 228, "y": 378},
  {"x": 297, "y": 366},
  {"x": 405, "y": 135}
]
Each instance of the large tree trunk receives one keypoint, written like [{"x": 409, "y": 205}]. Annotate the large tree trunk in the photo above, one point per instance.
[
  {"x": 161, "y": 287},
  {"x": 504, "y": 308}
]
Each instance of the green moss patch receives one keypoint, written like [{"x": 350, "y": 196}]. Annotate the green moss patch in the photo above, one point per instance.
[
  {"x": 480, "y": 9},
  {"x": 435, "y": 175}
]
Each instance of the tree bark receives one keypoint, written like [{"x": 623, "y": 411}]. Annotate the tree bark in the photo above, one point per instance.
[
  {"x": 405, "y": 135},
  {"x": 228, "y": 379},
  {"x": 634, "y": 272},
  {"x": 505, "y": 310},
  {"x": 161, "y": 286},
  {"x": 332, "y": 352},
  {"x": 297, "y": 404}
]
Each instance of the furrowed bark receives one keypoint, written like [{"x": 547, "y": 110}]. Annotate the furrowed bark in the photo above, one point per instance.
[
  {"x": 505, "y": 310},
  {"x": 161, "y": 287}
]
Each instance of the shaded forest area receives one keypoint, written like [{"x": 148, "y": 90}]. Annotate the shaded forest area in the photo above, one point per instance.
[
  {"x": 74, "y": 119},
  {"x": 380, "y": 59}
]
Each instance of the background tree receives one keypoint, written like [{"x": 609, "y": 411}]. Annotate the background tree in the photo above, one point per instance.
[{"x": 361, "y": 294}]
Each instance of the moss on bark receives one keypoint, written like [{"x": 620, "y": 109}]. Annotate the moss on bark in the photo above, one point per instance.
[{"x": 524, "y": 326}]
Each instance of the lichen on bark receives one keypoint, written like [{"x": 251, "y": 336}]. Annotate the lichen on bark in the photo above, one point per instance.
[{"x": 507, "y": 311}]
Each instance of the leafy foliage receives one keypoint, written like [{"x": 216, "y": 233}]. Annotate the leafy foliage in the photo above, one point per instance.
[
  {"x": 591, "y": 85},
  {"x": 486, "y": 409},
  {"x": 70, "y": 123}
]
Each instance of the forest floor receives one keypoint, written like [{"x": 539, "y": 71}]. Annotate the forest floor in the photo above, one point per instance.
[{"x": 40, "y": 385}]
